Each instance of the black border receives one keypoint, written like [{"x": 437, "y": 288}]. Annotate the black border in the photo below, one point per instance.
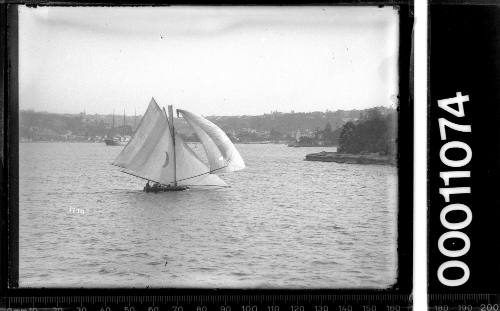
[
  {"x": 463, "y": 57},
  {"x": 9, "y": 211}
]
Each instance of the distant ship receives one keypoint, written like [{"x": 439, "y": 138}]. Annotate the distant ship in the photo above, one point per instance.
[
  {"x": 158, "y": 154},
  {"x": 116, "y": 140}
]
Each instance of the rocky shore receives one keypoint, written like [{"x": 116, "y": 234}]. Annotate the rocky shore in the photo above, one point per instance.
[{"x": 372, "y": 158}]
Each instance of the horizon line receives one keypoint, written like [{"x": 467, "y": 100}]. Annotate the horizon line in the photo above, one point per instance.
[{"x": 208, "y": 116}]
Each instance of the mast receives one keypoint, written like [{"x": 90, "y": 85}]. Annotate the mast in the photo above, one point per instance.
[
  {"x": 172, "y": 132},
  {"x": 123, "y": 126},
  {"x": 113, "y": 126}
]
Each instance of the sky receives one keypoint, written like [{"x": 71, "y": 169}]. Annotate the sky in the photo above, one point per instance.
[{"x": 209, "y": 60}]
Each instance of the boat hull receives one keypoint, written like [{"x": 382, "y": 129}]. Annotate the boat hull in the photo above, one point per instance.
[{"x": 165, "y": 189}]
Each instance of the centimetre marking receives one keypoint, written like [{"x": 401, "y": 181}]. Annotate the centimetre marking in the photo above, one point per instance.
[{"x": 224, "y": 298}]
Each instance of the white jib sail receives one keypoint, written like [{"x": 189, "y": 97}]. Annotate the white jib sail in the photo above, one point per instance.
[
  {"x": 149, "y": 154},
  {"x": 191, "y": 171},
  {"x": 221, "y": 153}
]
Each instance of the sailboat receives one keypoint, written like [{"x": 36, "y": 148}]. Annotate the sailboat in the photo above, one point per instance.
[{"x": 157, "y": 153}]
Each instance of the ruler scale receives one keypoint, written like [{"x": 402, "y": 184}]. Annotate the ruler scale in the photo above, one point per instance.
[{"x": 311, "y": 302}]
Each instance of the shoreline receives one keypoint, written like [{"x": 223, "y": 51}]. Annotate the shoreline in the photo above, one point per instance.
[{"x": 324, "y": 156}]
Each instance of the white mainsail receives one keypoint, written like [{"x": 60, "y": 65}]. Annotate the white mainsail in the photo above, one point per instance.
[
  {"x": 150, "y": 154},
  {"x": 147, "y": 135},
  {"x": 222, "y": 154}
]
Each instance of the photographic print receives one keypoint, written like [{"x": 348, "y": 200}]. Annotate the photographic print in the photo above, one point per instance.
[{"x": 208, "y": 147}]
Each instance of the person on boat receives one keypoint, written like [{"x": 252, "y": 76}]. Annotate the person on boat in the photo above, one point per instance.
[
  {"x": 147, "y": 188},
  {"x": 155, "y": 187}
]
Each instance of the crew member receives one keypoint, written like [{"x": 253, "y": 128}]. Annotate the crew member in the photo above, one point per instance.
[{"x": 147, "y": 188}]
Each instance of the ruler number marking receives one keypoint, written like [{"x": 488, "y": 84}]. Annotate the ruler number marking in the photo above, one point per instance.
[
  {"x": 490, "y": 307},
  {"x": 249, "y": 308}
]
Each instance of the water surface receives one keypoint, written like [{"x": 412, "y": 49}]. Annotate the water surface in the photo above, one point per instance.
[{"x": 284, "y": 222}]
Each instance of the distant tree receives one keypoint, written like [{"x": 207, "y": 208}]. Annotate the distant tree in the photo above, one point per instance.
[
  {"x": 372, "y": 114},
  {"x": 328, "y": 128},
  {"x": 275, "y": 135},
  {"x": 373, "y": 133},
  {"x": 330, "y": 136},
  {"x": 346, "y": 138}
]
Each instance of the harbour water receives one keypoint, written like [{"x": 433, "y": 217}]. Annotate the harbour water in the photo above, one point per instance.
[{"x": 283, "y": 223}]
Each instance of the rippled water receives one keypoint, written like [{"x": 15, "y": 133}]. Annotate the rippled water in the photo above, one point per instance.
[{"x": 284, "y": 222}]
